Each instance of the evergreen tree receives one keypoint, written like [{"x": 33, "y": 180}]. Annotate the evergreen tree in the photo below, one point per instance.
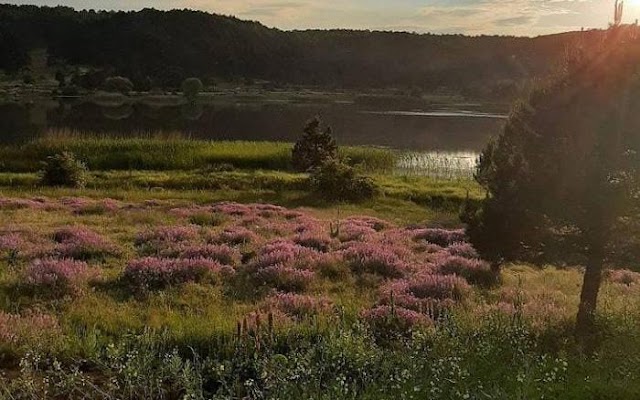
[
  {"x": 562, "y": 179},
  {"x": 315, "y": 147}
]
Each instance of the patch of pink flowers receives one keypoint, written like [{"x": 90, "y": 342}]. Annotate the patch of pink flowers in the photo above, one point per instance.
[
  {"x": 441, "y": 237},
  {"x": 427, "y": 294},
  {"x": 388, "y": 320},
  {"x": 297, "y": 305},
  {"x": 474, "y": 270},
  {"x": 153, "y": 273},
  {"x": 375, "y": 259},
  {"x": 81, "y": 243},
  {"x": 313, "y": 240},
  {"x": 284, "y": 278},
  {"x": 236, "y": 235},
  {"x": 223, "y": 254},
  {"x": 155, "y": 241},
  {"x": 624, "y": 277},
  {"x": 58, "y": 277},
  {"x": 31, "y": 204},
  {"x": 20, "y": 329},
  {"x": 463, "y": 249}
]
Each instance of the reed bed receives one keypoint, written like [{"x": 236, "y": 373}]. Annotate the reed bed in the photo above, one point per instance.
[{"x": 441, "y": 165}]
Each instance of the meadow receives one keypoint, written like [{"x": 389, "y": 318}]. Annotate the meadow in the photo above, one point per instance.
[{"x": 188, "y": 279}]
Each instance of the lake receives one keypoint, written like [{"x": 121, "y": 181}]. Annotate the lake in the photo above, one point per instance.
[{"x": 441, "y": 129}]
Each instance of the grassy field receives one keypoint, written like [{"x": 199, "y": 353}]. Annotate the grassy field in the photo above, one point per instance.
[
  {"x": 170, "y": 152},
  {"x": 198, "y": 283}
]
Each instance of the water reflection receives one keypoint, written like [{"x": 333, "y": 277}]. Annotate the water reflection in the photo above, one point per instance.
[{"x": 436, "y": 130}]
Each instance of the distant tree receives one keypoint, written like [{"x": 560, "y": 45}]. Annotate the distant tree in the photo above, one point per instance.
[
  {"x": 118, "y": 84},
  {"x": 315, "y": 147},
  {"x": 191, "y": 88},
  {"x": 563, "y": 178}
]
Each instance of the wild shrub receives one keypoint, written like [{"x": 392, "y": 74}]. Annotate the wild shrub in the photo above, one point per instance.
[
  {"x": 336, "y": 181},
  {"x": 284, "y": 278},
  {"x": 473, "y": 270},
  {"x": 375, "y": 259},
  {"x": 314, "y": 148},
  {"x": 57, "y": 277},
  {"x": 153, "y": 273},
  {"x": 297, "y": 305},
  {"x": 82, "y": 244},
  {"x": 63, "y": 170},
  {"x": 391, "y": 322}
]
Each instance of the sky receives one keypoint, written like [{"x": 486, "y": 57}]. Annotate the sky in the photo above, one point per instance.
[{"x": 507, "y": 17}]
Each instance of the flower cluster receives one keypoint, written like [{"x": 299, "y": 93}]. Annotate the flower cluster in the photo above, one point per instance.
[
  {"x": 152, "y": 273},
  {"x": 297, "y": 305},
  {"x": 441, "y": 237},
  {"x": 30, "y": 327},
  {"x": 284, "y": 278},
  {"x": 58, "y": 277},
  {"x": 82, "y": 244},
  {"x": 236, "y": 235},
  {"x": 624, "y": 277},
  {"x": 462, "y": 249},
  {"x": 155, "y": 241},
  {"x": 387, "y": 321},
  {"x": 473, "y": 270},
  {"x": 223, "y": 254},
  {"x": 375, "y": 259}
]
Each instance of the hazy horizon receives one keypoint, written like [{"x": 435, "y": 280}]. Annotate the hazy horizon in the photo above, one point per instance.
[{"x": 472, "y": 17}]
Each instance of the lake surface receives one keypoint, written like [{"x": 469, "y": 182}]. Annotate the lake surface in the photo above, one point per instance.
[{"x": 438, "y": 130}]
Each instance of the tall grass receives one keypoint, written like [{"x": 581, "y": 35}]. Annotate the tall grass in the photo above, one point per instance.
[
  {"x": 441, "y": 165},
  {"x": 169, "y": 152}
]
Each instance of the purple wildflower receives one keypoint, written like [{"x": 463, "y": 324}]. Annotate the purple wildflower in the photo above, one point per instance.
[
  {"x": 158, "y": 273},
  {"x": 82, "y": 244},
  {"x": 375, "y": 259},
  {"x": 58, "y": 277},
  {"x": 441, "y": 237},
  {"x": 297, "y": 305},
  {"x": 284, "y": 278}
]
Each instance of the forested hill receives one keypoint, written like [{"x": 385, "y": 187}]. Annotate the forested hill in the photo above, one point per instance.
[{"x": 167, "y": 46}]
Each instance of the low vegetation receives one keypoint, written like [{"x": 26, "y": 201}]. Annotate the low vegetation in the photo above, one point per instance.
[
  {"x": 169, "y": 298},
  {"x": 171, "y": 153}
]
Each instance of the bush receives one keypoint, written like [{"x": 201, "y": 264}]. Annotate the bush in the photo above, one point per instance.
[
  {"x": 314, "y": 148},
  {"x": 58, "y": 277},
  {"x": 118, "y": 84},
  {"x": 191, "y": 87},
  {"x": 337, "y": 181},
  {"x": 63, "y": 170},
  {"x": 160, "y": 273}
]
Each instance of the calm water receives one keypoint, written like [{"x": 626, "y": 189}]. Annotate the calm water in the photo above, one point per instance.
[{"x": 438, "y": 130}]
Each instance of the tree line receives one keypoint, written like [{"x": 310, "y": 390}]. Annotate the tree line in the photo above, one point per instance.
[{"x": 165, "y": 47}]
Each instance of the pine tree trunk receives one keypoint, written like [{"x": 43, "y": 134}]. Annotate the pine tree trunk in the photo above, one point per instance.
[{"x": 585, "y": 324}]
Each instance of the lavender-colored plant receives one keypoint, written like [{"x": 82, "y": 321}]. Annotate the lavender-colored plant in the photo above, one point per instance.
[{"x": 159, "y": 273}]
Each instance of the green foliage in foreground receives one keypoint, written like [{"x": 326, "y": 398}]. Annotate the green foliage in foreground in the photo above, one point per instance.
[
  {"x": 502, "y": 359},
  {"x": 104, "y": 153}
]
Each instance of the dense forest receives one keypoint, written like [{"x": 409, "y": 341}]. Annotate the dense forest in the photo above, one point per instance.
[{"x": 165, "y": 47}]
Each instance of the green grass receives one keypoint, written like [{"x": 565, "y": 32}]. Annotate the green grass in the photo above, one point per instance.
[
  {"x": 170, "y": 153},
  {"x": 403, "y": 199}
]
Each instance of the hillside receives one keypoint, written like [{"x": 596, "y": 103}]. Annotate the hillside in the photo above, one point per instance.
[{"x": 168, "y": 46}]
